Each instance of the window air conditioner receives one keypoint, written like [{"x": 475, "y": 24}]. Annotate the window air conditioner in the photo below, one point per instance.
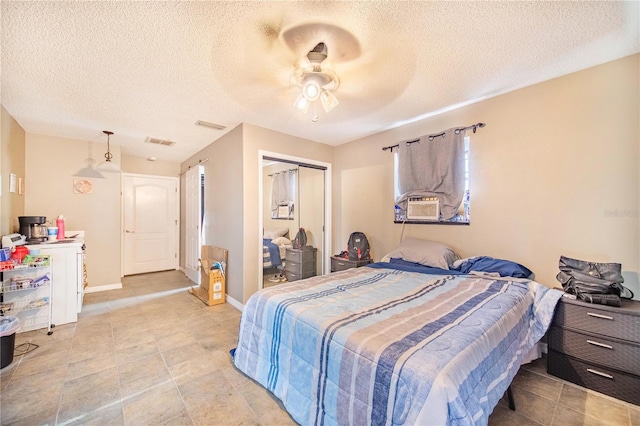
[{"x": 423, "y": 209}]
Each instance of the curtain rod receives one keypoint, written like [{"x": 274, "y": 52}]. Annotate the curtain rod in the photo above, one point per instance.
[
  {"x": 432, "y": 137},
  {"x": 198, "y": 163},
  {"x": 290, "y": 170}
]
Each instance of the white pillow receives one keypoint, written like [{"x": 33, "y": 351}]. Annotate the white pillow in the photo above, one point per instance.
[
  {"x": 275, "y": 233},
  {"x": 281, "y": 241},
  {"x": 425, "y": 252}
]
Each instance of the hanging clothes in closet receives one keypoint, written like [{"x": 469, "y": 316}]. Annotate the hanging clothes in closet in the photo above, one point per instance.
[{"x": 283, "y": 185}]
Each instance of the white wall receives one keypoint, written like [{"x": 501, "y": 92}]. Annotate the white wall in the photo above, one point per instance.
[{"x": 554, "y": 172}]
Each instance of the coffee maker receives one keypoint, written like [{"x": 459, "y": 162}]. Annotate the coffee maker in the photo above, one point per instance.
[{"x": 34, "y": 228}]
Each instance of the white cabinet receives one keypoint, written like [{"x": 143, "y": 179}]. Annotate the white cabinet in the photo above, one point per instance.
[
  {"x": 66, "y": 273},
  {"x": 26, "y": 293}
]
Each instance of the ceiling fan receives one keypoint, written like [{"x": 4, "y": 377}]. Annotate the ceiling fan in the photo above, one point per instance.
[
  {"x": 316, "y": 82},
  {"x": 324, "y": 62}
]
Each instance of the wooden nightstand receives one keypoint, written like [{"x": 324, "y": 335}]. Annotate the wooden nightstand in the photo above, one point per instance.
[
  {"x": 340, "y": 263},
  {"x": 597, "y": 346}
]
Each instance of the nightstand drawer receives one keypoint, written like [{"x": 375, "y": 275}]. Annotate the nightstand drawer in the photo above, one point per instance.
[
  {"x": 340, "y": 264},
  {"x": 589, "y": 348},
  {"x": 300, "y": 268},
  {"x": 622, "y": 323},
  {"x": 299, "y": 256},
  {"x": 608, "y": 381},
  {"x": 295, "y": 276}
]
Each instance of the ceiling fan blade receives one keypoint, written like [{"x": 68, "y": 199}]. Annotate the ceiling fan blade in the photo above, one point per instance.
[{"x": 376, "y": 78}]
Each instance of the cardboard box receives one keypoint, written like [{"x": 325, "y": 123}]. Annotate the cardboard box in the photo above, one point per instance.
[{"x": 212, "y": 290}]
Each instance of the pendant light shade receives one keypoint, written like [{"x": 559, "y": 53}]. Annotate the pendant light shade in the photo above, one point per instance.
[
  {"x": 90, "y": 171},
  {"x": 107, "y": 165}
]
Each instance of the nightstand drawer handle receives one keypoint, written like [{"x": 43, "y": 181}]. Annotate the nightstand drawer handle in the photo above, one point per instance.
[
  {"x": 340, "y": 263},
  {"x": 602, "y": 345},
  {"x": 591, "y": 314},
  {"x": 600, "y": 373}
]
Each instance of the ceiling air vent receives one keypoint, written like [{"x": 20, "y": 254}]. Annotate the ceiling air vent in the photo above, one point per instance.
[
  {"x": 159, "y": 141},
  {"x": 210, "y": 125}
]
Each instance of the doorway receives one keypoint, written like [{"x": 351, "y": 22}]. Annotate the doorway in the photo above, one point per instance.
[
  {"x": 194, "y": 215},
  {"x": 308, "y": 206},
  {"x": 150, "y": 223}
]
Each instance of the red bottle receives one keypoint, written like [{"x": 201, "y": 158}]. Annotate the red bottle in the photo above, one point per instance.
[{"x": 60, "y": 225}]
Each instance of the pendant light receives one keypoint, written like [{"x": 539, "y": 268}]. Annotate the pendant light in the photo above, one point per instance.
[
  {"x": 90, "y": 171},
  {"x": 107, "y": 165}
]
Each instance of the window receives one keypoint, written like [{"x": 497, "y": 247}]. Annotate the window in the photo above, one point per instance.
[{"x": 463, "y": 216}]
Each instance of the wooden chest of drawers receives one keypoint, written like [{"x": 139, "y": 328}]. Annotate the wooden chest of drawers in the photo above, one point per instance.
[
  {"x": 598, "y": 347},
  {"x": 300, "y": 263}
]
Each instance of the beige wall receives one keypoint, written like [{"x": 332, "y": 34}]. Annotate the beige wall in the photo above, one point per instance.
[
  {"x": 223, "y": 224},
  {"x": 50, "y": 165},
  {"x": 143, "y": 166},
  {"x": 231, "y": 196},
  {"x": 554, "y": 172},
  {"x": 12, "y": 154}
]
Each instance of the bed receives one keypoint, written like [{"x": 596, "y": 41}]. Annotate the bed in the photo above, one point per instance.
[
  {"x": 274, "y": 246},
  {"x": 392, "y": 343}
]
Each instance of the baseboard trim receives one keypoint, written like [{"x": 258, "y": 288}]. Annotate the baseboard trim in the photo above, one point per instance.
[
  {"x": 233, "y": 302},
  {"x": 99, "y": 288}
]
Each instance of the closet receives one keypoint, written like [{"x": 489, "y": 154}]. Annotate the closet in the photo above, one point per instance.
[{"x": 293, "y": 197}]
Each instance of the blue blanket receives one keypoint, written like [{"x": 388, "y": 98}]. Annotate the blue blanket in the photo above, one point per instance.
[
  {"x": 271, "y": 254},
  {"x": 382, "y": 345}
]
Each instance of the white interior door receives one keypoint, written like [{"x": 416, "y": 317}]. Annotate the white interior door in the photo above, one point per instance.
[
  {"x": 193, "y": 199},
  {"x": 151, "y": 210}
]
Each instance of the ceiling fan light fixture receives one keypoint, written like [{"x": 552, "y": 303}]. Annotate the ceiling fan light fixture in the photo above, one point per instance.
[
  {"x": 315, "y": 82},
  {"x": 311, "y": 90},
  {"x": 328, "y": 100},
  {"x": 302, "y": 103}
]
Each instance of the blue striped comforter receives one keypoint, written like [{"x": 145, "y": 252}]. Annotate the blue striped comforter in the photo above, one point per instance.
[
  {"x": 270, "y": 254},
  {"x": 384, "y": 346}
]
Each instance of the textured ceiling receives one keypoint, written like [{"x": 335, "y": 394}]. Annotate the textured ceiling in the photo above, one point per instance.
[{"x": 152, "y": 69}]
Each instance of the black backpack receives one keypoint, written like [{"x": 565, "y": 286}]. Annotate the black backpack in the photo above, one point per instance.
[
  {"x": 300, "y": 241},
  {"x": 358, "y": 247}
]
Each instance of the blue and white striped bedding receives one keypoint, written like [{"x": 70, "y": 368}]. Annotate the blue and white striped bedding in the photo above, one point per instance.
[
  {"x": 385, "y": 346},
  {"x": 270, "y": 254}
]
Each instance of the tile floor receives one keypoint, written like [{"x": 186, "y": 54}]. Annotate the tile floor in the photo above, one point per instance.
[{"x": 152, "y": 354}]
